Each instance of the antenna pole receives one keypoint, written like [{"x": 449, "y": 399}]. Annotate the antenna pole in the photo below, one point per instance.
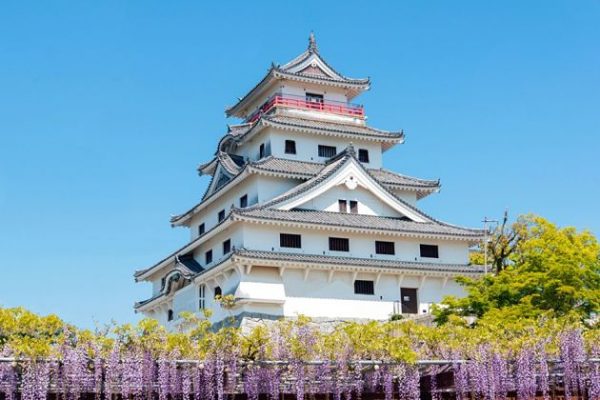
[{"x": 486, "y": 239}]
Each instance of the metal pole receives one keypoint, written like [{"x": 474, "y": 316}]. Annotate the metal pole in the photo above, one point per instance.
[{"x": 485, "y": 244}]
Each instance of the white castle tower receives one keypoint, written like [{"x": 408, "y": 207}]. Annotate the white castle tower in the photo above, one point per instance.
[{"x": 300, "y": 217}]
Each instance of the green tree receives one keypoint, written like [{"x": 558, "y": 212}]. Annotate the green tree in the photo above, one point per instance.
[{"x": 542, "y": 269}]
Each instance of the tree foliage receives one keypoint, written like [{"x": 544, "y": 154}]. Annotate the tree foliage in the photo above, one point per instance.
[{"x": 541, "y": 269}]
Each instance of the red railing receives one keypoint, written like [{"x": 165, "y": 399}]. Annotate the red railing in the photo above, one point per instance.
[{"x": 335, "y": 107}]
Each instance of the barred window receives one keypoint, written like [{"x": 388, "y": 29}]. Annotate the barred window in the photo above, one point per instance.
[
  {"x": 290, "y": 147},
  {"x": 226, "y": 246},
  {"x": 290, "y": 240},
  {"x": 339, "y": 244},
  {"x": 314, "y": 98},
  {"x": 364, "y": 287},
  {"x": 343, "y": 206},
  {"x": 201, "y": 298},
  {"x": 327, "y": 151},
  {"x": 363, "y": 155},
  {"x": 385, "y": 247},
  {"x": 208, "y": 257},
  {"x": 429, "y": 251},
  {"x": 353, "y": 206}
]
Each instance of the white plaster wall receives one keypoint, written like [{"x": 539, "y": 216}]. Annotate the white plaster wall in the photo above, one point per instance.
[
  {"x": 407, "y": 196},
  {"x": 317, "y": 297},
  {"x": 226, "y": 199},
  {"x": 184, "y": 300},
  {"x": 307, "y": 146},
  {"x": 368, "y": 203},
  {"x": 300, "y": 89},
  {"x": 259, "y": 188},
  {"x": 270, "y": 187},
  {"x": 251, "y": 149},
  {"x": 234, "y": 233},
  {"x": 259, "y": 237}
]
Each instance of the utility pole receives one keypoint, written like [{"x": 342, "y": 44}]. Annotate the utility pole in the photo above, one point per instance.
[{"x": 486, "y": 239}]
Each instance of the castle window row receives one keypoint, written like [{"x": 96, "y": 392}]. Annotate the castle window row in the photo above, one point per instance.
[
  {"x": 324, "y": 151},
  {"x": 208, "y": 255},
  {"x": 294, "y": 241},
  {"x": 243, "y": 202}
]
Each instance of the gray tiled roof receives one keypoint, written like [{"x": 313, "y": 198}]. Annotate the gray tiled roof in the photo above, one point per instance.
[
  {"x": 307, "y": 170},
  {"x": 189, "y": 262},
  {"x": 316, "y": 172},
  {"x": 239, "y": 129},
  {"x": 310, "y": 51},
  {"x": 354, "y": 261},
  {"x": 284, "y": 71},
  {"x": 329, "y": 127},
  {"x": 358, "y": 221},
  {"x": 334, "y": 164}
]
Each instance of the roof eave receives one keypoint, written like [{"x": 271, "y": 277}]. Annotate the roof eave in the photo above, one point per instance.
[
  {"x": 142, "y": 275},
  {"x": 236, "y": 109},
  {"x": 474, "y": 238}
]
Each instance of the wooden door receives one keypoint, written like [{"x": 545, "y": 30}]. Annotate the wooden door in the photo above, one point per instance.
[{"x": 408, "y": 298}]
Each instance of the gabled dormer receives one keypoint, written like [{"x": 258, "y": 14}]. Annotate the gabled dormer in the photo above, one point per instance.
[{"x": 306, "y": 84}]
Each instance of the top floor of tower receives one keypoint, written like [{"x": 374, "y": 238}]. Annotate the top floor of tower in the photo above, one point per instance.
[{"x": 306, "y": 86}]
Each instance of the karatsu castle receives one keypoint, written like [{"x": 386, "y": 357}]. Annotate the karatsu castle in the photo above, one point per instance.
[{"x": 300, "y": 217}]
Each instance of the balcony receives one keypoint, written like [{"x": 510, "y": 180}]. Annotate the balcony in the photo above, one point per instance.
[{"x": 299, "y": 102}]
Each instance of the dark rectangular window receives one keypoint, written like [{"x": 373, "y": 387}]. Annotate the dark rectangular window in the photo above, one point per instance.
[
  {"x": 327, "y": 151},
  {"x": 364, "y": 287},
  {"x": 429, "y": 251},
  {"x": 290, "y": 240},
  {"x": 385, "y": 247},
  {"x": 339, "y": 244},
  {"x": 170, "y": 315},
  {"x": 201, "y": 229},
  {"x": 201, "y": 292},
  {"x": 221, "y": 216},
  {"x": 290, "y": 147},
  {"x": 226, "y": 246},
  {"x": 314, "y": 98},
  {"x": 244, "y": 201},
  {"x": 261, "y": 151},
  {"x": 353, "y": 206},
  {"x": 363, "y": 155},
  {"x": 343, "y": 207},
  {"x": 208, "y": 257}
]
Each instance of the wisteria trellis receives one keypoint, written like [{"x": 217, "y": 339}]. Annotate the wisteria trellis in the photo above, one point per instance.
[{"x": 132, "y": 373}]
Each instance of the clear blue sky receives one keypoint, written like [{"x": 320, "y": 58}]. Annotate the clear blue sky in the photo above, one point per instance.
[{"x": 106, "y": 108}]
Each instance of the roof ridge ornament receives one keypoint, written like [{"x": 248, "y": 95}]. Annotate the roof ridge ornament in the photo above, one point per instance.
[
  {"x": 312, "y": 43},
  {"x": 350, "y": 149}
]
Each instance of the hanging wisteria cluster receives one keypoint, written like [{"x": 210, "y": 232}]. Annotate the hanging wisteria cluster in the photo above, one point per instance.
[{"x": 290, "y": 363}]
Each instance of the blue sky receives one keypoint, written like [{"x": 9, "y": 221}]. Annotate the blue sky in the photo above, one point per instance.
[{"x": 106, "y": 108}]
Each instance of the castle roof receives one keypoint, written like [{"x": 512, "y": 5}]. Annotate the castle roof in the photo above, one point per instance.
[
  {"x": 280, "y": 210},
  {"x": 323, "y": 219},
  {"x": 309, "y": 67},
  {"x": 300, "y": 170},
  {"x": 242, "y": 133}
]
